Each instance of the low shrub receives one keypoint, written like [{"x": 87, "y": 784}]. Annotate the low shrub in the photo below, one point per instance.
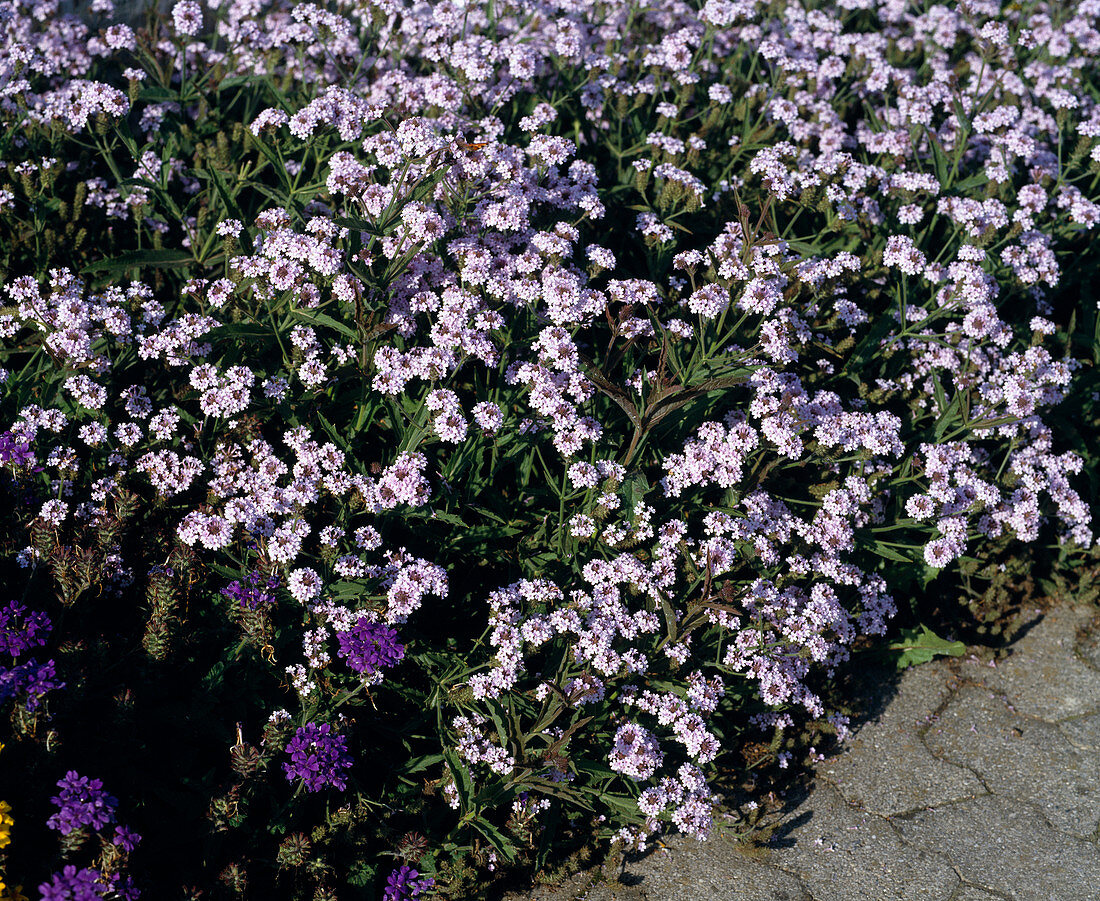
[{"x": 434, "y": 432}]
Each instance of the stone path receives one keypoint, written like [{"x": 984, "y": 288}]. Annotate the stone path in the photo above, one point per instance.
[{"x": 974, "y": 782}]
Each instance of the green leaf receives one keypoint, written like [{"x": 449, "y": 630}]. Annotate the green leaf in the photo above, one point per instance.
[
  {"x": 141, "y": 259},
  {"x": 949, "y": 415},
  {"x": 920, "y": 645},
  {"x": 884, "y": 550},
  {"x": 422, "y": 763},
  {"x": 496, "y": 838},
  {"x": 340, "y": 440},
  {"x": 633, "y": 490},
  {"x": 251, "y": 332},
  {"x": 325, "y": 320},
  {"x": 449, "y": 518},
  {"x": 154, "y": 94},
  {"x": 361, "y": 873},
  {"x": 975, "y": 181}
]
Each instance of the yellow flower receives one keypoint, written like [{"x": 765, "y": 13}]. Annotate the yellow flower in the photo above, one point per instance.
[{"x": 6, "y": 822}]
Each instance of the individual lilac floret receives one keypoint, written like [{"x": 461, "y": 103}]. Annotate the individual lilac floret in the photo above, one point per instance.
[
  {"x": 251, "y": 591},
  {"x": 370, "y": 647},
  {"x": 21, "y": 630},
  {"x": 318, "y": 756},
  {"x": 82, "y": 802},
  {"x": 72, "y": 884},
  {"x": 31, "y": 681},
  {"x": 405, "y": 883}
]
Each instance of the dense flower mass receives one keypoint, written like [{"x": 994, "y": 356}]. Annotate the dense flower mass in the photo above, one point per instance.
[
  {"x": 319, "y": 757},
  {"x": 29, "y": 683},
  {"x": 22, "y": 629},
  {"x": 614, "y": 368},
  {"x": 81, "y": 802},
  {"x": 370, "y": 647},
  {"x": 71, "y": 884}
]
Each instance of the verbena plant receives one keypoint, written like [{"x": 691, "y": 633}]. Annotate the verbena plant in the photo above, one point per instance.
[{"x": 434, "y": 427}]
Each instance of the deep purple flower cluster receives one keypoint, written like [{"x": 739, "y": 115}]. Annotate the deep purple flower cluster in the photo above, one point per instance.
[
  {"x": 72, "y": 884},
  {"x": 30, "y": 681},
  {"x": 21, "y": 630},
  {"x": 318, "y": 756},
  {"x": 370, "y": 647},
  {"x": 15, "y": 450},
  {"x": 82, "y": 802},
  {"x": 405, "y": 883},
  {"x": 251, "y": 592}
]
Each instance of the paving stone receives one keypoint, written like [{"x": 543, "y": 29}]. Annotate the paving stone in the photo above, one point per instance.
[
  {"x": 717, "y": 870},
  {"x": 712, "y": 871},
  {"x": 1083, "y": 731},
  {"x": 840, "y": 854},
  {"x": 1021, "y": 758},
  {"x": 1042, "y": 676},
  {"x": 1005, "y": 846},
  {"x": 970, "y": 893},
  {"x": 886, "y": 768},
  {"x": 1088, "y": 646}
]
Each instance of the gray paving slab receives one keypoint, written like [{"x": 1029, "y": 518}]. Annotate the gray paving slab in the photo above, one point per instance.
[
  {"x": 715, "y": 869},
  {"x": 1020, "y": 757},
  {"x": 1043, "y": 676},
  {"x": 1082, "y": 732},
  {"x": 840, "y": 853},
  {"x": 915, "y": 778},
  {"x": 1005, "y": 846},
  {"x": 971, "y": 893}
]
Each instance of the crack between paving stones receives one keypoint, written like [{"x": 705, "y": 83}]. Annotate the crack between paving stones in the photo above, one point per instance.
[
  {"x": 1022, "y": 801},
  {"x": 966, "y": 883},
  {"x": 883, "y": 819},
  {"x": 967, "y": 681},
  {"x": 1092, "y": 838},
  {"x": 912, "y": 811},
  {"x": 1085, "y": 749}
]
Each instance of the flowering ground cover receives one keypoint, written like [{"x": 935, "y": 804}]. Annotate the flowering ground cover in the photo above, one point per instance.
[{"x": 437, "y": 435}]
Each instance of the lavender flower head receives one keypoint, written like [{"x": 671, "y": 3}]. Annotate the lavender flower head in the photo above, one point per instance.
[
  {"x": 318, "y": 756},
  {"x": 370, "y": 647},
  {"x": 21, "y": 630},
  {"x": 82, "y": 802},
  {"x": 405, "y": 883},
  {"x": 72, "y": 884}
]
